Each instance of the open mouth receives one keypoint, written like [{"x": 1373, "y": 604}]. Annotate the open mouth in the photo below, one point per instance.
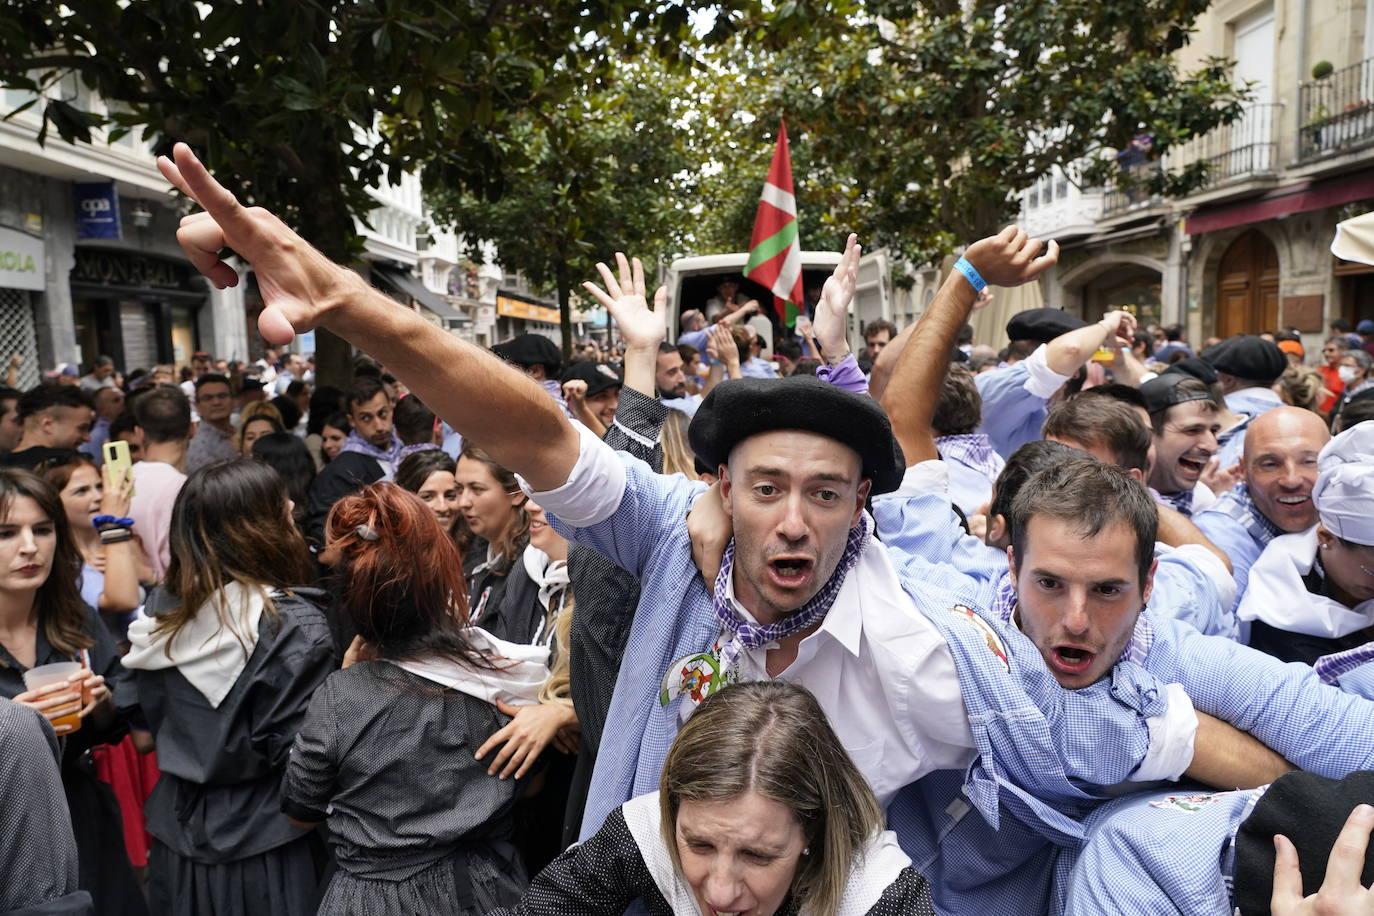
[
  {"x": 790, "y": 572},
  {"x": 1071, "y": 659},
  {"x": 1193, "y": 467},
  {"x": 1294, "y": 500}
]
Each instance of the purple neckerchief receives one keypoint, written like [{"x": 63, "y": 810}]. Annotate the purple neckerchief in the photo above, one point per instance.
[
  {"x": 386, "y": 457},
  {"x": 1331, "y": 667},
  {"x": 1181, "y": 502},
  {"x": 555, "y": 389},
  {"x": 1004, "y": 606},
  {"x": 753, "y": 635},
  {"x": 845, "y": 375},
  {"x": 408, "y": 450},
  {"x": 974, "y": 450}
]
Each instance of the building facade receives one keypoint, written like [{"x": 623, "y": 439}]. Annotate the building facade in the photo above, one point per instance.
[{"x": 1249, "y": 251}]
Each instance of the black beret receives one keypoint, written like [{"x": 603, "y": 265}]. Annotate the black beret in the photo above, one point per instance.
[
  {"x": 1253, "y": 359},
  {"x": 1162, "y": 391},
  {"x": 1042, "y": 325},
  {"x": 1308, "y": 809},
  {"x": 1197, "y": 368},
  {"x": 530, "y": 350},
  {"x": 598, "y": 376},
  {"x": 740, "y": 408}
]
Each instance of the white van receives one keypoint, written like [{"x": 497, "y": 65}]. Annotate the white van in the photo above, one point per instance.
[{"x": 692, "y": 281}]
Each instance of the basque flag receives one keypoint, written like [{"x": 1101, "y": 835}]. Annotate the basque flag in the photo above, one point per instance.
[{"x": 775, "y": 250}]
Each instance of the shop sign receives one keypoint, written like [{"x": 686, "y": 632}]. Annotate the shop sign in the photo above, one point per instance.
[
  {"x": 486, "y": 316},
  {"x": 118, "y": 268},
  {"x": 518, "y": 308},
  {"x": 97, "y": 211},
  {"x": 21, "y": 261}
]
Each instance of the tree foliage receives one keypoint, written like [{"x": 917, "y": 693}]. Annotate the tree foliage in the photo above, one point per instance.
[
  {"x": 607, "y": 169},
  {"x": 301, "y": 105},
  {"x": 917, "y": 123}
]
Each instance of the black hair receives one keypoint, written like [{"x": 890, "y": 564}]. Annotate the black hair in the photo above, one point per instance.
[
  {"x": 290, "y": 411},
  {"x": 47, "y": 396},
  {"x": 325, "y": 401},
  {"x": 213, "y": 378},
  {"x": 287, "y": 455},
  {"x": 414, "y": 421},
  {"x": 363, "y": 389},
  {"x": 1021, "y": 466}
]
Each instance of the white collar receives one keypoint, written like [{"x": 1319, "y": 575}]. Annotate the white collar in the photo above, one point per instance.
[
  {"x": 1276, "y": 594},
  {"x": 520, "y": 673},
  {"x": 844, "y": 621},
  {"x": 212, "y": 649}
]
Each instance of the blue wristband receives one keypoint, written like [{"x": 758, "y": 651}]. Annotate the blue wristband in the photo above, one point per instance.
[
  {"x": 971, "y": 274},
  {"x": 112, "y": 520}
]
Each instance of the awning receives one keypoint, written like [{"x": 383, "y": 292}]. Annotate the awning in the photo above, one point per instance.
[
  {"x": 403, "y": 283},
  {"x": 1297, "y": 198}
]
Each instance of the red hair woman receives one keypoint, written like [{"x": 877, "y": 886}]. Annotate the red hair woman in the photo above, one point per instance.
[{"x": 386, "y": 752}]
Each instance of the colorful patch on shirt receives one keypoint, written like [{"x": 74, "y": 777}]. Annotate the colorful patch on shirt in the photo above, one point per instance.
[
  {"x": 1188, "y": 804},
  {"x": 995, "y": 644},
  {"x": 698, "y": 676}
]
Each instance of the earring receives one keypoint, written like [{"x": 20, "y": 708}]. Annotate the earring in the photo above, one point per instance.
[{"x": 806, "y": 851}]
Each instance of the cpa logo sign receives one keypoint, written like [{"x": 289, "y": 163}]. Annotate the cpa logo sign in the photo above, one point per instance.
[
  {"x": 97, "y": 210},
  {"x": 96, "y": 207}
]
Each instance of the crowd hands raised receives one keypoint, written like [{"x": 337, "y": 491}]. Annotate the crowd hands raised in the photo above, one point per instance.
[{"x": 920, "y": 628}]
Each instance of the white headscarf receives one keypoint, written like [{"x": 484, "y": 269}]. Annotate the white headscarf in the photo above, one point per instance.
[{"x": 1344, "y": 492}]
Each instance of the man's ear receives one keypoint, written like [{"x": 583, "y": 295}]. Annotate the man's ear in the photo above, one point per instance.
[
  {"x": 1137, "y": 473},
  {"x": 726, "y": 487},
  {"x": 997, "y": 531},
  {"x": 1011, "y": 558},
  {"x": 1149, "y": 582},
  {"x": 860, "y": 500}
]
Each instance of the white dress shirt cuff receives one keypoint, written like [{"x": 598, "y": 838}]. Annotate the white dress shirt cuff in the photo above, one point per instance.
[
  {"x": 926, "y": 477},
  {"x": 1171, "y": 739},
  {"x": 1042, "y": 381},
  {"x": 594, "y": 488}
]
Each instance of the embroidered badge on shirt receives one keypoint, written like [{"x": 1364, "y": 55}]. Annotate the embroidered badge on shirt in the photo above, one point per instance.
[
  {"x": 698, "y": 676},
  {"x": 995, "y": 644},
  {"x": 1188, "y": 804}
]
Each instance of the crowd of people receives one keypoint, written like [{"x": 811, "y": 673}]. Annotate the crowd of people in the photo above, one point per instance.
[{"x": 1083, "y": 626}]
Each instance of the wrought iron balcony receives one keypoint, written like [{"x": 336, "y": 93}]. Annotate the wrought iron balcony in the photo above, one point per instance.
[
  {"x": 1337, "y": 112},
  {"x": 1245, "y": 148}
]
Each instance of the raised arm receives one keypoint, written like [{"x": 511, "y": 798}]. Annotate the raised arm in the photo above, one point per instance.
[
  {"x": 1067, "y": 352},
  {"x": 480, "y": 396},
  {"x": 1009, "y": 258},
  {"x": 642, "y": 328}
]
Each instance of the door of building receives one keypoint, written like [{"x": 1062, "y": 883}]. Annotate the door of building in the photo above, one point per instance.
[{"x": 1248, "y": 287}]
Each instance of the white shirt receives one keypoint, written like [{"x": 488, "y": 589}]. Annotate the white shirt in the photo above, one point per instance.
[{"x": 885, "y": 677}]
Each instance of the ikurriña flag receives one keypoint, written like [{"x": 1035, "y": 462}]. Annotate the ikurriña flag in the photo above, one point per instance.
[{"x": 775, "y": 250}]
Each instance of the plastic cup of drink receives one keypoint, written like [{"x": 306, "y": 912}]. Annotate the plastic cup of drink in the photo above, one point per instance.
[{"x": 57, "y": 673}]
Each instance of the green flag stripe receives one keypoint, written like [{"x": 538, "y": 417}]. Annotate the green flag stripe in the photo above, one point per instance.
[{"x": 769, "y": 247}]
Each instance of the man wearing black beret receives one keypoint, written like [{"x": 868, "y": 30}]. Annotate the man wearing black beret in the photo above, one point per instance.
[
  {"x": 1247, "y": 367},
  {"x": 1017, "y": 398},
  {"x": 539, "y": 358},
  {"x": 802, "y": 545}
]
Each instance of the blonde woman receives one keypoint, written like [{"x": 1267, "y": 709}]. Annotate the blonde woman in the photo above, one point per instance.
[{"x": 759, "y": 811}]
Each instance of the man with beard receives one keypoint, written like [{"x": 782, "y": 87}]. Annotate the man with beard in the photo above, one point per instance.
[
  {"x": 1183, "y": 414},
  {"x": 1274, "y": 496},
  {"x": 369, "y": 453}
]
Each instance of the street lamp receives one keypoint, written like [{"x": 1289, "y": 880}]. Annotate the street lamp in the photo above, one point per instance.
[{"x": 141, "y": 215}]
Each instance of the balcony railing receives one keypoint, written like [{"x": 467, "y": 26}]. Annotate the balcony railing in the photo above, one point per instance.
[
  {"x": 1245, "y": 148},
  {"x": 1337, "y": 112}
]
